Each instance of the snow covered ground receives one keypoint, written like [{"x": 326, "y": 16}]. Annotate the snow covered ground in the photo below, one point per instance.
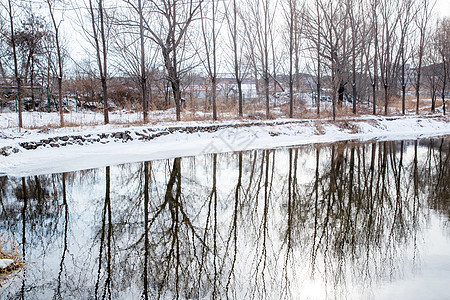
[
  {"x": 91, "y": 146},
  {"x": 4, "y": 263}
]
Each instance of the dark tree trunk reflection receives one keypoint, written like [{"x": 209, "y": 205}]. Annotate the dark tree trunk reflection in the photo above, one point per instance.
[
  {"x": 146, "y": 228},
  {"x": 24, "y": 225},
  {"x": 105, "y": 242},
  {"x": 65, "y": 243},
  {"x": 313, "y": 221}
]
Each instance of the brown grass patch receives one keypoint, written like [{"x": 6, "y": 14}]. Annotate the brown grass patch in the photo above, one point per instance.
[
  {"x": 346, "y": 125},
  {"x": 54, "y": 126},
  {"x": 319, "y": 128},
  {"x": 255, "y": 109},
  {"x": 8, "y": 250}
]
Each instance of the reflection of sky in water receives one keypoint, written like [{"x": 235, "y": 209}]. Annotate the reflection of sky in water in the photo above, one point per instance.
[
  {"x": 430, "y": 280},
  {"x": 291, "y": 233}
]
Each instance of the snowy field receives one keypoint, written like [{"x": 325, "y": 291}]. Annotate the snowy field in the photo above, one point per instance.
[
  {"x": 85, "y": 118},
  {"x": 104, "y": 145}
]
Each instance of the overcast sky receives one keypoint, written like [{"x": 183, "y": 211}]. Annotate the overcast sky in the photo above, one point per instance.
[
  {"x": 443, "y": 8},
  {"x": 75, "y": 40}
]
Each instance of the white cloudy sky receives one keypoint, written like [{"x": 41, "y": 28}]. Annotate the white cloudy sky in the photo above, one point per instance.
[
  {"x": 78, "y": 45},
  {"x": 442, "y": 8}
]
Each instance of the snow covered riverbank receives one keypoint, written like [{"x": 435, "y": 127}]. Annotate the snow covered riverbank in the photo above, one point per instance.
[{"x": 33, "y": 152}]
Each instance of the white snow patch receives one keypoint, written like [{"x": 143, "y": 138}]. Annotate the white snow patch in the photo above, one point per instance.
[
  {"x": 4, "y": 263},
  {"x": 266, "y": 134}
]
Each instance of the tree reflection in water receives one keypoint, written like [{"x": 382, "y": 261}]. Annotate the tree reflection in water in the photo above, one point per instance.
[{"x": 315, "y": 221}]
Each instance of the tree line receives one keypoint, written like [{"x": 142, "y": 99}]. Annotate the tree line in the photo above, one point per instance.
[{"x": 366, "y": 52}]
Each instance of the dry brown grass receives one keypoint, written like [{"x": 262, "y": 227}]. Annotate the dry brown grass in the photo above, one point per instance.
[
  {"x": 193, "y": 116},
  {"x": 395, "y": 104},
  {"x": 307, "y": 113},
  {"x": 319, "y": 128},
  {"x": 8, "y": 250},
  {"x": 254, "y": 109},
  {"x": 53, "y": 126},
  {"x": 346, "y": 125}
]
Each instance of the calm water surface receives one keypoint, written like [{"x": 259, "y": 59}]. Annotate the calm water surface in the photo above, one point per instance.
[{"x": 346, "y": 220}]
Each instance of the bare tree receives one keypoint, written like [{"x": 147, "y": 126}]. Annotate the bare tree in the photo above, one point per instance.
[
  {"x": 424, "y": 12},
  {"x": 210, "y": 43},
  {"x": 29, "y": 39},
  {"x": 406, "y": 16},
  {"x": 327, "y": 29},
  {"x": 362, "y": 44},
  {"x": 276, "y": 52},
  {"x": 388, "y": 50},
  {"x": 318, "y": 49},
  {"x": 251, "y": 54},
  {"x": 442, "y": 43},
  {"x": 265, "y": 54},
  {"x": 16, "y": 69},
  {"x": 335, "y": 52},
  {"x": 293, "y": 19},
  {"x": 374, "y": 74},
  {"x": 3, "y": 49},
  {"x": 143, "y": 70},
  {"x": 51, "y": 8},
  {"x": 168, "y": 29},
  {"x": 431, "y": 72},
  {"x": 100, "y": 37},
  {"x": 258, "y": 36},
  {"x": 133, "y": 56},
  {"x": 354, "y": 13},
  {"x": 236, "y": 45}
]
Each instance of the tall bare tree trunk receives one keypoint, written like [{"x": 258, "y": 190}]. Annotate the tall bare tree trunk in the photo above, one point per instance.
[
  {"x": 444, "y": 81},
  {"x": 237, "y": 74},
  {"x": 404, "y": 24},
  {"x": 105, "y": 69},
  {"x": 147, "y": 170},
  {"x": 2, "y": 70},
  {"x": 404, "y": 34},
  {"x": 60, "y": 68},
  {"x": 375, "y": 59},
  {"x": 403, "y": 81},
  {"x": 333, "y": 88},
  {"x": 16, "y": 68},
  {"x": 101, "y": 54},
  {"x": 214, "y": 71},
  {"x": 266, "y": 57},
  {"x": 354, "y": 42},
  {"x": 387, "y": 65},
  {"x": 292, "y": 19},
  {"x": 386, "y": 98},
  {"x": 176, "y": 81},
  {"x": 211, "y": 53},
  {"x": 318, "y": 57},
  {"x": 143, "y": 70},
  {"x": 172, "y": 38},
  {"x": 422, "y": 24},
  {"x": 297, "y": 56},
  {"x": 33, "y": 104}
]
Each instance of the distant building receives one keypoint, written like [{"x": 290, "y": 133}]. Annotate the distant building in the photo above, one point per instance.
[{"x": 226, "y": 88}]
